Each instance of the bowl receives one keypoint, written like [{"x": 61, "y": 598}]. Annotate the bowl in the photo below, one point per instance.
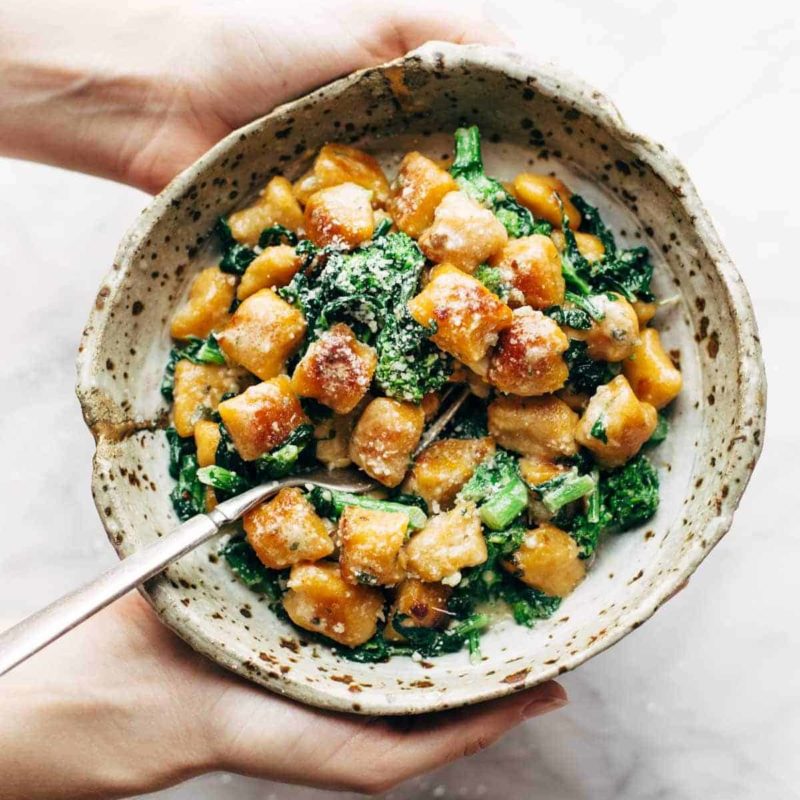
[{"x": 531, "y": 115}]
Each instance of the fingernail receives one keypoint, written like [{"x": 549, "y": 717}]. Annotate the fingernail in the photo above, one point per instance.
[{"x": 555, "y": 699}]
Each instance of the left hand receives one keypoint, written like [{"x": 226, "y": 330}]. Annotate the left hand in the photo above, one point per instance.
[
  {"x": 121, "y": 706},
  {"x": 136, "y": 92}
]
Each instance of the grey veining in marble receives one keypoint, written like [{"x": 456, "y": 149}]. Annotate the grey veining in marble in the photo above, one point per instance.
[{"x": 701, "y": 702}]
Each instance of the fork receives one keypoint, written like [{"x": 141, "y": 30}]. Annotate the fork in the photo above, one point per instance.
[{"x": 24, "y": 639}]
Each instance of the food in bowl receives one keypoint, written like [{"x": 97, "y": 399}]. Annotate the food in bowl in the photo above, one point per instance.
[{"x": 341, "y": 309}]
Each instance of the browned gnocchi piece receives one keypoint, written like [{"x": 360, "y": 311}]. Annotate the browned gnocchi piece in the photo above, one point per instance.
[
  {"x": 614, "y": 337},
  {"x": 644, "y": 311},
  {"x": 320, "y": 600},
  {"x": 531, "y": 267},
  {"x": 206, "y": 439},
  {"x": 340, "y": 216},
  {"x": 385, "y": 436},
  {"x": 198, "y": 390},
  {"x": 371, "y": 544},
  {"x": 540, "y": 194},
  {"x": 528, "y": 359},
  {"x": 448, "y": 543},
  {"x": 589, "y": 245},
  {"x": 260, "y": 418},
  {"x": 276, "y": 205},
  {"x": 263, "y": 332},
  {"x": 420, "y": 186},
  {"x": 443, "y": 467},
  {"x": 463, "y": 233},
  {"x": 548, "y": 560},
  {"x": 616, "y": 423},
  {"x": 339, "y": 163},
  {"x": 337, "y": 369},
  {"x": 650, "y": 371},
  {"x": 286, "y": 530},
  {"x": 466, "y": 314},
  {"x": 207, "y": 307},
  {"x": 272, "y": 268},
  {"x": 533, "y": 426},
  {"x": 535, "y": 470},
  {"x": 424, "y": 605}
]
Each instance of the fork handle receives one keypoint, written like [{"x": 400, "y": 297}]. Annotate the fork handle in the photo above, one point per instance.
[{"x": 32, "y": 634}]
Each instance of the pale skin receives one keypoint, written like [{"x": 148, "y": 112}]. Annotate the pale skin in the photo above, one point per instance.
[{"x": 121, "y": 706}]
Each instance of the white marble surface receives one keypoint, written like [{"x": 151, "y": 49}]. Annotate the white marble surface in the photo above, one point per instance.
[{"x": 703, "y": 701}]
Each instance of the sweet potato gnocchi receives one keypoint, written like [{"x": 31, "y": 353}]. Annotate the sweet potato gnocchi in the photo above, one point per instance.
[{"x": 341, "y": 308}]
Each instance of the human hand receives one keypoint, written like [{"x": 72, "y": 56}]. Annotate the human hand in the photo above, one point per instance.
[
  {"x": 121, "y": 706},
  {"x": 136, "y": 92}
]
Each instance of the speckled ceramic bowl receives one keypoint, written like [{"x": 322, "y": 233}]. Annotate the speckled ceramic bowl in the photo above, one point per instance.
[{"x": 530, "y": 116}]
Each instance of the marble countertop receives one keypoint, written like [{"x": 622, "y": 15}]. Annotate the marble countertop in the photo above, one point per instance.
[{"x": 704, "y": 700}]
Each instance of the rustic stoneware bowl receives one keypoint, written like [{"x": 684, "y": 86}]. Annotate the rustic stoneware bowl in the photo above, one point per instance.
[{"x": 531, "y": 116}]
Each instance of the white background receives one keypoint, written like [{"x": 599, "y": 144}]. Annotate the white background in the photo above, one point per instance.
[{"x": 703, "y": 701}]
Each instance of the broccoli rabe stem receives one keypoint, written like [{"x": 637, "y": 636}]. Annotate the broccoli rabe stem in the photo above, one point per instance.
[
  {"x": 224, "y": 479},
  {"x": 467, "y": 155},
  {"x": 416, "y": 516},
  {"x": 565, "y": 489},
  {"x": 594, "y": 505},
  {"x": 503, "y": 507}
]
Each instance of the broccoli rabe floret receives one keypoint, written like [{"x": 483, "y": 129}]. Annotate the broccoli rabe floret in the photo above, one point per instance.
[
  {"x": 498, "y": 490},
  {"x": 368, "y": 288},
  {"x": 492, "y": 279},
  {"x": 471, "y": 177},
  {"x": 622, "y": 499}
]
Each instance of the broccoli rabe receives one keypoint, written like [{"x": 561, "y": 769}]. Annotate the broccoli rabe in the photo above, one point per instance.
[
  {"x": 489, "y": 581},
  {"x": 661, "y": 431},
  {"x": 471, "y": 177},
  {"x": 276, "y": 234},
  {"x": 627, "y": 272},
  {"x": 622, "y": 499},
  {"x": 188, "y": 495},
  {"x": 330, "y": 503},
  {"x": 246, "y": 565},
  {"x": 198, "y": 351},
  {"x": 287, "y": 458},
  {"x": 236, "y": 258},
  {"x": 498, "y": 490},
  {"x": 409, "y": 364},
  {"x": 586, "y": 374},
  {"x": 563, "y": 489},
  {"x": 492, "y": 279},
  {"x": 429, "y": 642},
  {"x": 223, "y": 480},
  {"x": 368, "y": 288}
]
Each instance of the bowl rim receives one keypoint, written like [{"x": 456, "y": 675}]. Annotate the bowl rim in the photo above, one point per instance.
[{"x": 751, "y": 392}]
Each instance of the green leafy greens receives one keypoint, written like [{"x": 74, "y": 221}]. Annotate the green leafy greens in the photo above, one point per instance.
[
  {"x": 368, "y": 288},
  {"x": 469, "y": 173},
  {"x": 198, "y": 351},
  {"x": 627, "y": 272}
]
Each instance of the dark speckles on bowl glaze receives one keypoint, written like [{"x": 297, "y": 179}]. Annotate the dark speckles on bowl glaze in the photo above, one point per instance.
[{"x": 531, "y": 118}]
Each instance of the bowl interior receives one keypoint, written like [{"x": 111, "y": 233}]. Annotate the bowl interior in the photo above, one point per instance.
[{"x": 530, "y": 118}]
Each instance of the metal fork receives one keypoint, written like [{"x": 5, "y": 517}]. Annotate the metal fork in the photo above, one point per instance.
[{"x": 40, "y": 629}]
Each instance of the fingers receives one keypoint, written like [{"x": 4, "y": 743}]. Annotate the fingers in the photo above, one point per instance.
[
  {"x": 419, "y": 22},
  {"x": 421, "y": 744},
  {"x": 273, "y": 738}
]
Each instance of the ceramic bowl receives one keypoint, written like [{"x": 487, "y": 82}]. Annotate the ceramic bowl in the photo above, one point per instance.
[{"x": 531, "y": 116}]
